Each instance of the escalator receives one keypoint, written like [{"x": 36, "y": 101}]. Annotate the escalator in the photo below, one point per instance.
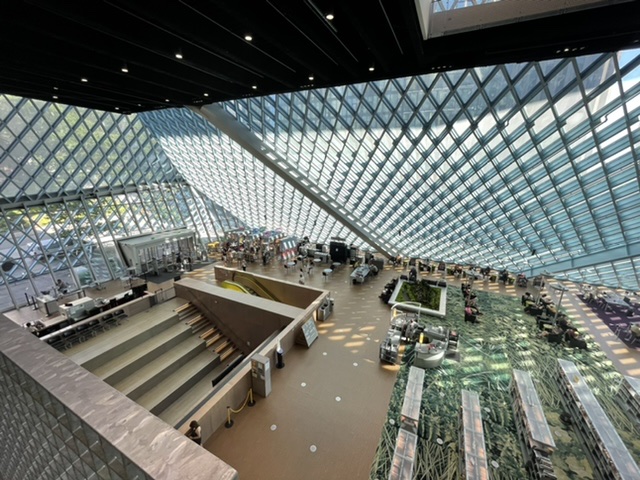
[
  {"x": 236, "y": 287},
  {"x": 251, "y": 284}
]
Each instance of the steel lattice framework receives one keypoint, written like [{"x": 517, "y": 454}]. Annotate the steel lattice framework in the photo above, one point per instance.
[
  {"x": 529, "y": 166},
  {"x": 72, "y": 181}
]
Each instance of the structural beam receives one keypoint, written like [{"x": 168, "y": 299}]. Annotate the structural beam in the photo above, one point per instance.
[
  {"x": 436, "y": 22},
  {"x": 604, "y": 256},
  {"x": 248, "y": 140}
]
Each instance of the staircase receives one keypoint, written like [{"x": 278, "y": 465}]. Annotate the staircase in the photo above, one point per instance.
[{"x": 165, "y": 358}]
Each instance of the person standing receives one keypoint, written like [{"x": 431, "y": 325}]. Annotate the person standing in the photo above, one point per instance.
[
  {"x": 244, "y": 265},
  {"x": 195, "y": 432}
]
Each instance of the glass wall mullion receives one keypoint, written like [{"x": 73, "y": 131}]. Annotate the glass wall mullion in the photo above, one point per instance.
[
  {"x": 79, "y": 237},
  {"x": 97, "y": 236}
]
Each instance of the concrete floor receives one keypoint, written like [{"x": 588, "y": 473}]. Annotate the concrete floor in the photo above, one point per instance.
[{"x": 324, "y": 416}]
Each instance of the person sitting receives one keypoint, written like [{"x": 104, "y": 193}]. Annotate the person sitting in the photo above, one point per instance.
[
  {"x": 61, "y": 286},
  {"x": 574, "y": 339},
  {"x": 470, "y": 315},
  {"x": 526, "y": 298},
  {"x": 553, "y": 336},
  {"x": 564, "y": 324}
]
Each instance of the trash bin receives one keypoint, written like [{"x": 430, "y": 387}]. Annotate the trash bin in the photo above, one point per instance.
[{"x": 279, "y": 358}]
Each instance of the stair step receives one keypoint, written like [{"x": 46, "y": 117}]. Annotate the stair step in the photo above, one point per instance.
[
  {"x": 222, "y": 346},
  {"x": 181, "y": 308},
  {"x": 189, "y": 312},
  {"x": 120, "y": 340},
  {"x": 228, "y": 352},
  {"x": 216, "y": 338},
  {"x": 200, "y": 327},
  {"x": 137, "y": 357},
  {"x": 140, "y": 382},
  {"x": 199, "y": 319},
  {"x": 175, "y": 413},
  {"x": 171, "y": 388},
  {"x": 208, "y": 333}
]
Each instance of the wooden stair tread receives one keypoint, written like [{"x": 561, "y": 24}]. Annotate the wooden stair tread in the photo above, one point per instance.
[{"x": 208, "y": 333}]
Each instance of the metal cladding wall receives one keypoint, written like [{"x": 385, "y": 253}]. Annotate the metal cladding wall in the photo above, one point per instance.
[{"x": 60, "y": 421}]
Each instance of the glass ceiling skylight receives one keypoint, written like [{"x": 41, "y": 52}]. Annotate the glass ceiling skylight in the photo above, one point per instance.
[{"x": 526, "y": 166}]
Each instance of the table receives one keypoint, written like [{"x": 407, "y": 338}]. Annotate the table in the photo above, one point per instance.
[
  {"x": 360, "y": 274},
  {"x": 326, "y": 272},
  {"x": 612, "y": 298},
  {"x": 317, "y": 260},
  {"x": 335, "y": 265},
  {"x": 473, "y": 274},
  {"x": 288, "y": 266}
]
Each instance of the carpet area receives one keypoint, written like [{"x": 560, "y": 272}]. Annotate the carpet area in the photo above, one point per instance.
[{"x": 617, "y": 320}]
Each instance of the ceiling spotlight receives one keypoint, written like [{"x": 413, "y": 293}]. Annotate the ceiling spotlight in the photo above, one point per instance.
[
  {"x": 85, "y": 80},
  {"x": 124, "y": 69},
  {"x": 117, "y": 108},
  {"x": 55, "y": 97},
  {"x": 55, "y": 88},
  {"x": 255, "y": 87},
  {"x": 179, "y": 55},
  {"x": 206, "y": 94},
  {"x": 372, "y": 68},
  {"x": 311, "y": 77},
  {"x": 248, "y": 37},
  {"x": 166, "y": 99},
  {"x": 329, "y": 16}
]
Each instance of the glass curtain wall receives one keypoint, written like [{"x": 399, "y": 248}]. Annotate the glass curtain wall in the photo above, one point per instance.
[
  {"x": 522, "y": 166},
  {"x": 73, "y": 181}
]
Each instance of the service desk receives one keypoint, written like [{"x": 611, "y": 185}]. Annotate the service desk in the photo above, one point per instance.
[{"x": 48, "y": 304}]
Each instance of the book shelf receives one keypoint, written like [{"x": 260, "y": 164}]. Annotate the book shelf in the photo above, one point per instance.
[
  {"x": 473, "y": 452},
  {"x": 605, "y": 449},
  {"x": 536, "y": 441}
]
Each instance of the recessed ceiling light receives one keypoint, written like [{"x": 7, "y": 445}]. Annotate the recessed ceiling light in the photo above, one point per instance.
[
  {"x": 139, "y": 104},
  {"x": 55, "y": 97},
  {"x": 55, "y": 88},
  {"x": 329, "y": 16},
  {"x": 179, "y": 55},
  {"x": 206, "y": 94},
  {"x": 311, "y": 77},
  {"x": 117, "y": 108},
  {"x": 166, "y": 99},
  {"x": 248, "y": 37},
  {"x": 85, "y": 80},
  {"x": 255, "y": 87},
  {"x": 124, "y": 69},
  {"x": 372, "y": 68}
]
